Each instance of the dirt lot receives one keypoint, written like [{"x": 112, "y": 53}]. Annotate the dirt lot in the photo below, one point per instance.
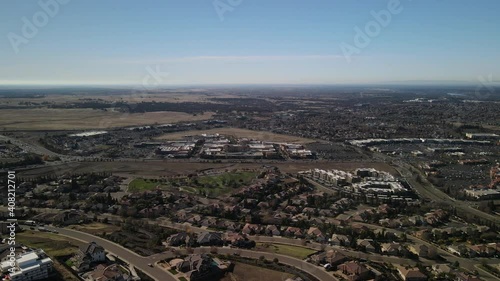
[
  {"x": 246, "y": 272},
  {"x": 240, "y": 133},
  {"x": 163, "y": 168},
  {"x": 74, "y": 119}
]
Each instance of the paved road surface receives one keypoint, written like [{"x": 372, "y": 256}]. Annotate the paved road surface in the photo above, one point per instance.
[
  {"x": 126, "y": 255},
  {"x": 315, "y": 271},
  {"x": 142, "y": 262}
]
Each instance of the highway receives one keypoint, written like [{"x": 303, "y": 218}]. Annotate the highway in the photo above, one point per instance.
[
  {"x": 29, "y": 147},
  {"x": 427, "y": 190}
]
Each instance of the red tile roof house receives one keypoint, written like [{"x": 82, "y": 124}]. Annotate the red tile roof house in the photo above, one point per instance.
[
  {"x": 354, "y": 271},
  {"x": 411, "y": 274},
  {"x": 272, "y": 230},
  {"x": 340, "y": 240},
  {"x": 294, "y": 231},
  {"x": 251, "y": 229},
  {"x": 466, "y": 277}
]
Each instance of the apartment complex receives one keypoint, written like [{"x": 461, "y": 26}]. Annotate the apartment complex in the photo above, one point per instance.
[{"x": 28, "y": 266}]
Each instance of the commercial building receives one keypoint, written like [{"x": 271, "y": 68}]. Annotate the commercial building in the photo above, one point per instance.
[
  {"x": 28, "y": 266},
  {"x": 483, "y": 194},
  {"x": 482, "y": 136}
]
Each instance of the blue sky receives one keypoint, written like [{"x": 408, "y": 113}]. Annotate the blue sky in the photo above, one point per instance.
[{"x": 256, "y": 41}]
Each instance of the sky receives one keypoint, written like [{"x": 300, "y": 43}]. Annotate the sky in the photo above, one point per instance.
[{"x": 188, "y": 42}]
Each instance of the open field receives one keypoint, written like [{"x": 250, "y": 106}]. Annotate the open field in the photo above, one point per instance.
[
  {"x": 287, "y": 250},
  {"x": 222, "y": 180},
  {"x": 164, "y": 168},
  {"x": 139, "y": 184},
  {"x": 53, "y": 244},
  {"x": 177, "y": 96},
  {"x": 96, "y": 228},
  {"x": 246, "y": 272},
  {"x": 80, "y": 119},
  {"x": 240, "y": 133},
  {"x": 210, "y": 185}
]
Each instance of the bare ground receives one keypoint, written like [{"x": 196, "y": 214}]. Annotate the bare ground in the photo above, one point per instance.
[
  {"x": 78, "y": 119},
  {"x": 164, "y": 168}
]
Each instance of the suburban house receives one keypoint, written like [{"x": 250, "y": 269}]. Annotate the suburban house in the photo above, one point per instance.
[
  {"x": 411, "y": 274},
  {"x": 87, "y": 255}
]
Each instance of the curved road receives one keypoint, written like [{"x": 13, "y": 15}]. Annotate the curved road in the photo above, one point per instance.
[
  {"x": 316, "y": 271},
  {"x": 124, "y": 254},
  {"x": 158, "y": 274}
]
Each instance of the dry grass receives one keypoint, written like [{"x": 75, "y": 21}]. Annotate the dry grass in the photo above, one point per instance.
[
  {"x": 246, "y": 272},
  {"x": 73, "y": 119},
  {"x": 287, "y": 250},
  {"x": 55, "y": 246},
  {"x": 96, "y": 228},
  {"x": 161, "y": 168},
  {"x": 177, "y": 96},
  {"x": 240, "y": 133}
]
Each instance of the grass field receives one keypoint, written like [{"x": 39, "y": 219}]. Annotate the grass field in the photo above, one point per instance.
[
  {"x": 240, "y": 133},
  {"x": 222, "y": 180},
  {"x": 246, "y": 272},
  {"x": 53, "y": 244},
  {"x": 79, "y": 119},
  {"x": 224, "y": 183},
  {"x": 210, "y": 185},
  {"x": 287, "y": 250},
  {"x": 138, "y": 185}
]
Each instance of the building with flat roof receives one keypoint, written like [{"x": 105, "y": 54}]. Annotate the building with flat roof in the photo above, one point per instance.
[
  {"x": 482, "y": 136},
  {"x": 28, "y": 266}
]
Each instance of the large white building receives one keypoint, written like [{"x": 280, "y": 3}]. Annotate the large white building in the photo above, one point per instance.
[{"x": 29, "y": 266}]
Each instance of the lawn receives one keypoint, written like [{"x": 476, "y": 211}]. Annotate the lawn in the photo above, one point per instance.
[
  {"x": 173, "y": 271},
  {"x": 218, "y": 184},
  {"x": 211, "y": 186},
  {"x": 222, "y": 184},
  {"x": 246, "y": 272},
  {"x": 139, "y": 184},
  {"x": 287, "y": 250},
  {"x": 237, "y": 178}
]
